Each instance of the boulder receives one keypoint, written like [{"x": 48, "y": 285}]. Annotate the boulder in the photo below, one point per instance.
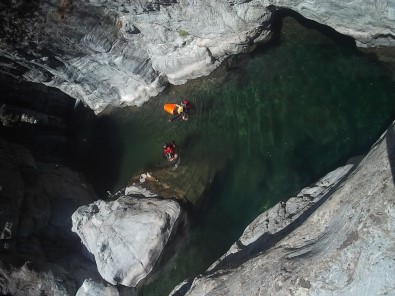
[{"x": 126, "y": 236}]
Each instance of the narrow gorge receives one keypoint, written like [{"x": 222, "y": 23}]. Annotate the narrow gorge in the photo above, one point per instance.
[{"x": 284, "y": 185}]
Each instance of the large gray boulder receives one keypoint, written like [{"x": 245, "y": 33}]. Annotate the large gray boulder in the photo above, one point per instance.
[
  {"x": 126, "y": 236},
  {"x": 345, "y": 247}
]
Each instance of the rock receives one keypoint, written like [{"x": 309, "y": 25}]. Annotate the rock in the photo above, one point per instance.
[
  {"x": 36, "y": 203},
  {"x": 17, "y": 171},
  {"x": 94, "y": 288},
  {"x": 132, "y": 53},
  {"x": 126, "y": 236},
  {"x": 185, "y": 183},
  {"x": 343, "y": 248},
  {"x": 370, "y": 24},
  {"x": 26, "y": 281}
]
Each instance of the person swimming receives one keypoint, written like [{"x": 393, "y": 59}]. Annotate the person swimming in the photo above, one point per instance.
[
  {"x": 181, "y": 111},
  {"x": 169, "y": 151}
]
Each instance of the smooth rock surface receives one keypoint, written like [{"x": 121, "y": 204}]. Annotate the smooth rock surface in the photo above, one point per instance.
[
  {"x": 345, "y": 247},
  {"x": 126, "y": 236}
]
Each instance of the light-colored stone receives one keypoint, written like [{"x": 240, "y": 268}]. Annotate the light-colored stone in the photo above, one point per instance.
[
  {"x": 94, "y": 288},
  {"x": 126, "y": 236}
]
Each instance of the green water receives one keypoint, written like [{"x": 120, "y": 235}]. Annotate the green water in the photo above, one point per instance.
[{"x": 275, "y": 122}]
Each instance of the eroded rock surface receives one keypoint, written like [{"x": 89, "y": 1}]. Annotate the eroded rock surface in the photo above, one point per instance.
[
  {"x": 344, "y": 248},
  {"x": 126, "y": 236},
  {"x": 123, "y": 52}
]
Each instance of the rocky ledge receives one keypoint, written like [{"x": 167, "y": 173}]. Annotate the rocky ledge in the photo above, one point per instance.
[{"x": 344, "y": 247}]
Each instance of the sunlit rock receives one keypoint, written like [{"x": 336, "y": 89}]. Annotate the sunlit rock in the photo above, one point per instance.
[
  {"x": 127, "y": 235},
  {"x": 91, "y": 287},
  {"x": 123, "y": 52}
]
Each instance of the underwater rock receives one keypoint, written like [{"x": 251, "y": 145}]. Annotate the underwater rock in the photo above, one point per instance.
[{"x": 126, "y": 236}]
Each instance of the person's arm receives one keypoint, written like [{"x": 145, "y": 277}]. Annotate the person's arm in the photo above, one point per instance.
[{"x": 175, "y": 117}]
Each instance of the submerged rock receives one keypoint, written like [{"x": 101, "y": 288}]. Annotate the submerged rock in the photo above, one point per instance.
[
  {"x": 127, "y": 236},
  {"x": 343, "y": 248},
  {"x": 181, "y": 182}
]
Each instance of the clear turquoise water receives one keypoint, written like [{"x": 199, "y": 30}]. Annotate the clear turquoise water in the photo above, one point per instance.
[{"x": 279, "y": 120}]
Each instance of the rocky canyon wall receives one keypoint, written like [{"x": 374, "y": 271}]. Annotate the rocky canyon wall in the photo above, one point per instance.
[{"x": 124, "y": 52}]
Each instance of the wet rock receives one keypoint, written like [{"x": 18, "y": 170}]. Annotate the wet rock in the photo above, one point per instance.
[
  {"x": 335, "y": 250},
  {"x": 185, "y": 183},
  {"x": 127, "y": 236}
]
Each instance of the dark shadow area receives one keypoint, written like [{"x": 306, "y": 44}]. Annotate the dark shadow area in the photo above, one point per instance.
[
  {"x": 50, "y": 124},
  {"x": 35, "y": 116},
  {"x": 281, "y": 13},
  {"x": 94, "y": 148}
]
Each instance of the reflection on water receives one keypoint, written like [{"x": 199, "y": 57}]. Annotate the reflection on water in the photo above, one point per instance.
[{"x": 260, "y": 132}]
